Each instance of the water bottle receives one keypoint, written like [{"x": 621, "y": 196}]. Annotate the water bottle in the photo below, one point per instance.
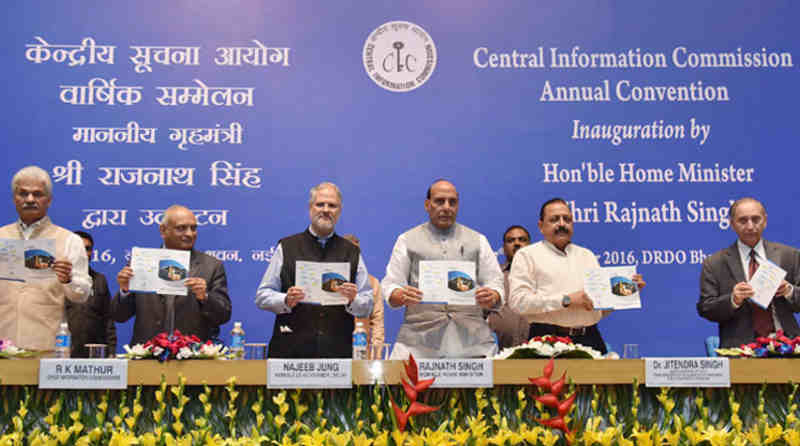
[
  {"x": 360, "y": 341},
  {"x": 237, "y": 341},
  {"x": 63, "y": 341}
]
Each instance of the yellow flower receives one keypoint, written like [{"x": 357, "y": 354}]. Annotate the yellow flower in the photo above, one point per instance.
[
  {"x": 279, "y": 421},
  {"x": 477, "y": 426},
  {"x": 178, "y": 427},
  {"x": 753, "y": 436},
  {"x": 549, "y": 438},
  {"x": 461, "y": 436},
  {"x": 717, "y": 437},
  {"x": 301, "y": 409},
  {"x": 340, "y": 439},
  {"x": 792, "y": 437},
  {"x": 382, "y": 439},
  {"x": 399, "y": 437},
  {"x": 22, "y": 411},
  {"x": 607, "y": 436},
  {"x": 643, "y": 438},
  {"x": 285, "y": 441},
  {"x": 177, "y": 411},
  {"x": 362, "y": 440},
  {"x": 500, "y": 437},
  {"x": 122, "y": 439},
  {"x": 670, "y": 438},
  {"x": 773, "y": 433}
]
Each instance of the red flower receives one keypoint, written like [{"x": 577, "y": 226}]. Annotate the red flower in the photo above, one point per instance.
[
  {"x": 558, "y": 386},
  {"x": 412, "y": 387}
]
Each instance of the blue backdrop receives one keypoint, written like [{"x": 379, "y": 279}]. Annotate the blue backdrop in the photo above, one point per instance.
[{"x": 309, "y": 111}]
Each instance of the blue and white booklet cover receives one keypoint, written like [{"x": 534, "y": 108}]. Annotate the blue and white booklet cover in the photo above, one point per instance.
[
  {"x": 24, "y": 260},
  {"x": 447, "y": 281},
  {"x": 611, "y": 288},
  {"x": 161, "y": 271}
]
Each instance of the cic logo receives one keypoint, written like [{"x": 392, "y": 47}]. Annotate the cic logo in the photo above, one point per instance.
[{"x": 399, "y": 56}]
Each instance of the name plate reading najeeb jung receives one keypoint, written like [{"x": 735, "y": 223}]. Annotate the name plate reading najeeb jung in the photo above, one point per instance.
[
  {"x": 309, "y": 373},
  {"x": 57, "y": 373},
  {"x": 457, "y": 373},
  {"x": 687, "y": 372}
]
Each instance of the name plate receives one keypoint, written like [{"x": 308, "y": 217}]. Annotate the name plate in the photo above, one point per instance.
[
  {"x": 56, "y": 373},
  {"x": 309, "y": 373},
  {"x": 687, "y": 372},
  {"x": 457, "y": 373}
]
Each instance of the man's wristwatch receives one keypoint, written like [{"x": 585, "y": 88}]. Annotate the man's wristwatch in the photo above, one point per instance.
[{"x": 565, "y": 301}]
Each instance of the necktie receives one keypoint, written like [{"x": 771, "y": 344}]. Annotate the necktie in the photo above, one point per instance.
[{"x": 762, "y": 319}]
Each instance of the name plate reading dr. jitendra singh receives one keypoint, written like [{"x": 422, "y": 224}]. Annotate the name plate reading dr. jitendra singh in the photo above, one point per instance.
[
  {"x": 56, "y": 373},
  {"x": 687, "y": 372},
  {"x": 309, "y": 373},
  {"x": 457, "y": 373}
]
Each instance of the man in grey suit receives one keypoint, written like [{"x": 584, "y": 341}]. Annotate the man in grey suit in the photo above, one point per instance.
[
  {"x": 724, "y": 288},
  {"x": 206, "y": 305}
]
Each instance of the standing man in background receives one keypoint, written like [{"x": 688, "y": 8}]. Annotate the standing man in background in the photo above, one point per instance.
[
  {"x": 375, "y": 321},
  {"x": 90, "y": 322},
  {"x": 510, "y": 328}
]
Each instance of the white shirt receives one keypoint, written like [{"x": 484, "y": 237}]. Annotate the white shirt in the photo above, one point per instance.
[{"x": 541, "y": 275}]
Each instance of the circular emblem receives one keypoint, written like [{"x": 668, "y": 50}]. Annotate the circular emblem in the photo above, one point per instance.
[{"x": 399, "y": 56}]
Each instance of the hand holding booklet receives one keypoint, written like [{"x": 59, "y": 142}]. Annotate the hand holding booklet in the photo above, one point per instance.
[
  {"x": 765, "y": 282},
  {"x": 321, "y": 280},
  {"x": 447, "y": 281},
  {"x": 159, "y": 271},
  {"x": 611, "y": 288}
]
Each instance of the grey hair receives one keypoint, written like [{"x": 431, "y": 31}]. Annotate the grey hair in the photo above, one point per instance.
[
  {"x": 35, "y": 173},
  {"x": 735, "y": 204},
  {"x": 171, "y": 210},
  {"x": 313, "y": 192}
]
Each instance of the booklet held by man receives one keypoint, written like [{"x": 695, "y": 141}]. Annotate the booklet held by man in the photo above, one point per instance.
[{"x": 612, "y": 288}]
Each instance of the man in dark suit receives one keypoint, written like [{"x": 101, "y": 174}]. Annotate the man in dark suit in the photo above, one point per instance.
[
  {"x": 206, "y": 305},
  {"x": 90, "y": 322},
  {"x": 724, "y": 288}
]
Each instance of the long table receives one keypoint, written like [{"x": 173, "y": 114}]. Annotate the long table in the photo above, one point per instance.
[{"x": 25, "y": 372}]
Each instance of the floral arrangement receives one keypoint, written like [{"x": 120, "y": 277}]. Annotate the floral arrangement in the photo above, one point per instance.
[
  {"x": 552, "y": 399},
  {"x": 602, "y": 415},
  {"x": 774, "y": 345},
  {"x": 412, "y": 387},
  {"x": 549, "y": 346},
  {"x": 9, "y": 350},
  {"x": 177, "y": 346}
]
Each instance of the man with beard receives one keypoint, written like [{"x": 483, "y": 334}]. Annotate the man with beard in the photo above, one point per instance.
[
  {"x": 304, "y": 330},
  {"x": 206, "y": 304},
  {"x": 510, "y": 328},
  {"x": 724, "y": 289},
  {"x": 546, "y": 281},
  {"x": 31, "y": 311},
  {"x": 442, "y": 330}
]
